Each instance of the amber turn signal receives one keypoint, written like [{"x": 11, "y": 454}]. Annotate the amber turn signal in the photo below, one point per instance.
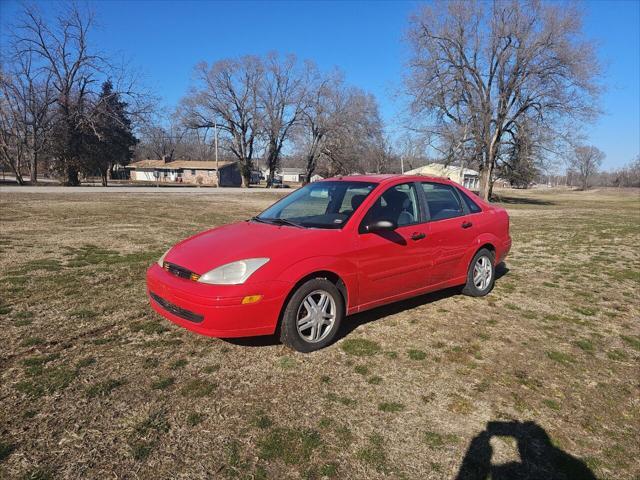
[{"x": 251, "y": 299}]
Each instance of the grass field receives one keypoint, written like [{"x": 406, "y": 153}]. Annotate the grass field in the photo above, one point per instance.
[{"x": 93, "y": 384}]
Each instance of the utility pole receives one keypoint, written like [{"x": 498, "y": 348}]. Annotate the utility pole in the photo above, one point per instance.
[
  {"x": 215, "y": 141},
  {"x": 402, "y": 164}
]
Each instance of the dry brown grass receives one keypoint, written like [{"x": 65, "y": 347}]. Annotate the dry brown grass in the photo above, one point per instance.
[{"x": 95, "y": 385}]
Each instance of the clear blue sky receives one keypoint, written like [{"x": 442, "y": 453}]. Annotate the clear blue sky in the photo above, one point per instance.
[{"x": 165, "y": 39}]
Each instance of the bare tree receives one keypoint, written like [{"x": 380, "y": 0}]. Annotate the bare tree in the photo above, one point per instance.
[
  {"x": 160, "y": 139},
  {"x": 586, "y": 161},
  {"x": 62, "y": 51},
  {"x": 477, "y": 70},
  {"x": 282, "y": 94},
  {"x": 629, "y": 175},
  {"x": 25, "y": 116},
  {"x": 357, "y": 144},
  {"x": 324, "y": 107},
  {"x": 411, "y": 148},
  {"x": 226, "y": 96},
  {"x": 11, "y": 147},
  {"x": 340, "y": 129}
]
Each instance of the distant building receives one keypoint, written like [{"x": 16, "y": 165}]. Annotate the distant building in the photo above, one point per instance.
[
  {"x": 316, "y": 178},
  {"x": 470, "y": 178},
  {"x": 293, "y": 175},
  {"x": 186, "y": 171}
]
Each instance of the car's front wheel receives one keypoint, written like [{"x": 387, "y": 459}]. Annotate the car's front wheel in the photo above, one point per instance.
[
  {"x": 312, "y": 316},
  {"x": 481, "y": 274}
]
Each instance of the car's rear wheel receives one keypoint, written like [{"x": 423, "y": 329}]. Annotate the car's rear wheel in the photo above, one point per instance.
[
  {"x": 481, "y": 275},
  {"x": 312, "y": 316}
]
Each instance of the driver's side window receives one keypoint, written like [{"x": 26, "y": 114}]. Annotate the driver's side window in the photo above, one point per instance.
[
  {"x": 398, "y": 204},
  {"x": 315, "y": 202}
]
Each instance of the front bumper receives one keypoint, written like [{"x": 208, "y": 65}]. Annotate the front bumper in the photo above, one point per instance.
[{"x": 216, "y": 310}]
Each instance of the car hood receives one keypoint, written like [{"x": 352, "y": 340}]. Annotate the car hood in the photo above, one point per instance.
[{"x": 237, "y": 241}]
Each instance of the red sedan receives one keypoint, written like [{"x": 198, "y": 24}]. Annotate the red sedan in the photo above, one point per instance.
[{"x": 330, "y": 249}]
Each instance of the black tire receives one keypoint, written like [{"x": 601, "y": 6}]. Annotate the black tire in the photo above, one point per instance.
[
  {"x": 289, "y": 334},
  {"x": 471, "y": 288}
]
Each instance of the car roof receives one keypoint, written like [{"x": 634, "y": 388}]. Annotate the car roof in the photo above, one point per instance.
[{"x": 386, "y": 178}]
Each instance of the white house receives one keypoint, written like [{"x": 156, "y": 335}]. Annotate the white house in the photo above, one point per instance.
[
  {"x": 468, "y": 178},
  {"x": 293, "y": 175}
]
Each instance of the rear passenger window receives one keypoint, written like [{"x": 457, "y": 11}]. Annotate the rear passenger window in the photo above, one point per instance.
[
  {"x": 471, "y": 205},
  {"x": 442, "y": 201}
]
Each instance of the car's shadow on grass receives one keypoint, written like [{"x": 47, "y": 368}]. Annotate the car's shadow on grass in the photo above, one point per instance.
[
  {"x": 349, "y": 324},
  {"x": 507, "y": 200},
  {"x": 352, "y": 322},
  {"x": 539, "y": 458}
]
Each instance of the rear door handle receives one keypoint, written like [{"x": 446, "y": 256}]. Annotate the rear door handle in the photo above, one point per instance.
[
  {"x": 467, "y": 224},
  {"x": 418, "y": 236}
]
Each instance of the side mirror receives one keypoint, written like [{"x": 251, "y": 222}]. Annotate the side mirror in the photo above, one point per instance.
[{"x": 381, "y": 226}]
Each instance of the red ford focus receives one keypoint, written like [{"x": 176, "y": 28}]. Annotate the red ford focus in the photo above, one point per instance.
[{"x": 330, "y": 249}]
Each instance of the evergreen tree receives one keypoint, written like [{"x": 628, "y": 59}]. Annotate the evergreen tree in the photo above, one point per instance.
[
  {"x": 108, "y": 138},
  {"x": 520, "y": 163}
]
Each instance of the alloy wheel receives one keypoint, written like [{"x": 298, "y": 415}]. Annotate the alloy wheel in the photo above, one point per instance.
[
  {"x": 482, "y": 273},
  {"x": 316, "y": 316}
]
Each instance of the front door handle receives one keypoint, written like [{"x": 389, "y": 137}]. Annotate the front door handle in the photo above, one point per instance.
[
  {"x": 418, "y": 236},
  {"x": 467, "y": 224}
]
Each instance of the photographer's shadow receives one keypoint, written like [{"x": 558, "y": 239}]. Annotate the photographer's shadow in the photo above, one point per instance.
[{"x": 539, "y": 459}]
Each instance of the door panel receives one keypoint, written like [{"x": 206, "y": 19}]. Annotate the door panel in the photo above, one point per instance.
[
  {"x": 449, "y": 241},
  {"x": 393, "y": 263},
  {"x": 451, "y": 232}
]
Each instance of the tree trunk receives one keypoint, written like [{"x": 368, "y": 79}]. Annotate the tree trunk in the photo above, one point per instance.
[
  {"x": 272, "y": 164},
  {"x": 72, "y": 176},
  {"x": 245, "y": 171},
  {"x": 19, "y": 178},
  {"x": 104, "y": 176},
  {"x": 311, "y": 166},
  {"x": 271, "y": 175},
  {"x": 34, "y": 169},
  {"x": 485, "y": 181},
  {"x": 16, "y": 172},
  {"x": 584, "y": 180},
  {"x": 307, "y": 176},
  {"x": 486, "y": 173}
]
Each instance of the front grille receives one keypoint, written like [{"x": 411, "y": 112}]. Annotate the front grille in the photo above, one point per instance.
[
  {"x": 179, "y": 271},
  {"x": 176, "y": 310}
]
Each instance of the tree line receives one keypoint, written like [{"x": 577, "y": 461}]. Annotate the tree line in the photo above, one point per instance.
[
  {"x": 266, "y": 106},
  {"x": 62, "y": 101},
  {"x": 502, "y": 87}
]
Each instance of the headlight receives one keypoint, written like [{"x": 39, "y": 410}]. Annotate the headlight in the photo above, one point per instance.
[
  {"x": 161, "y": 259},
  {"x": 233, "y": 273}
]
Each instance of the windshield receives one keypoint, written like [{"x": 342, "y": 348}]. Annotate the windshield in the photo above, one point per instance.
[{"x": 320, "y": 205}]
